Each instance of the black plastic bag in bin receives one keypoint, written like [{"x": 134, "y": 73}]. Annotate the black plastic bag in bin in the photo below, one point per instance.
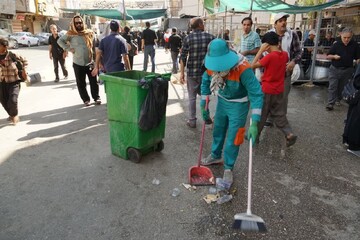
[{"x": 153, "y": 108}]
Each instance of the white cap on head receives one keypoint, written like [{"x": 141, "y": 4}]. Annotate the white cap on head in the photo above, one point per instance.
[
  {"x": 280, "y": 15},
  {"x": 312, "y": 32}
]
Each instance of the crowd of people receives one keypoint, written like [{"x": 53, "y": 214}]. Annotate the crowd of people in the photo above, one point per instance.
[{"x": 207, "y": 65}]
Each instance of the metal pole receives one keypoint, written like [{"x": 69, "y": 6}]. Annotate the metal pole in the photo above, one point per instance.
[
  {"x": 317, "y": 37},
  {"x": 224, "y": 23}
]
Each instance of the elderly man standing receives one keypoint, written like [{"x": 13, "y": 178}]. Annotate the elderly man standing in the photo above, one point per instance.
[
  {"x": 56, "y": 53},
  {"x": 81, "y": 44},
  {"x": 112, "y": 51},
  {"x": 192, "y": 55},
  {"x": 250, "y": 40},
  {"x": 342, "y": 55}
]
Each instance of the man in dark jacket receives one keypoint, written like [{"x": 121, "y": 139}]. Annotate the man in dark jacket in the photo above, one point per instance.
[{"x": 175, "y": 43}]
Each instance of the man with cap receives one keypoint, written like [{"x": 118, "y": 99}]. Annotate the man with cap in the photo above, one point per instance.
[
  {"x": 289, "y": 42},
  {"x": 80, "y": 41},
  {"x": 192, "y": 56},
  {"x": 111, "y": 51},
  {"x": 308, "y": 49},
  {"x": 238, "y": 88}
]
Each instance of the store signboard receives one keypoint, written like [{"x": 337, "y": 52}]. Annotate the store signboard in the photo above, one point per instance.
[
  {"x": 20, "y": 17},
  {"x": 46, "y": 8},
  {"x": 25, "y": 6}
]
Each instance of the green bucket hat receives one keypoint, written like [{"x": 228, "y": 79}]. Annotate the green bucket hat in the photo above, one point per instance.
[{"x": 219, "y": 56}]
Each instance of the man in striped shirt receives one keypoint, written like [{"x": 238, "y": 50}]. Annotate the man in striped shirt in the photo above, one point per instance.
[
  {"x": 250, "y": 40},
  {"x": 192, "y": 56}
]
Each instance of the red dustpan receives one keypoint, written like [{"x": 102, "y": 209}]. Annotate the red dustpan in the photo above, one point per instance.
[{"x": 200, "y": 175}]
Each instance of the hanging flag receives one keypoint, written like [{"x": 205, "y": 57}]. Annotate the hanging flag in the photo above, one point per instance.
[
  {"x": 123, "y": 10},
  {"x": 122, "y": 7}
]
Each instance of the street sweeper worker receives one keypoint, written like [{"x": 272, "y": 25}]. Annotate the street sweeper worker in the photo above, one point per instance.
[{"x": 238, "y": 90}]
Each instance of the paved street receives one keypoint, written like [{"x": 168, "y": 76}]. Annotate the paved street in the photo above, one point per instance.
[{"x": 59, "y": 180}]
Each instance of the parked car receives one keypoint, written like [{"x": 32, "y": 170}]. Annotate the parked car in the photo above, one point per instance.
[
  {"x": 45, "y": 36},
  {"x": 62, "y": 33},
  {"x": 43, "y": 40},
  {"x": 26, "y": 38},
  {"x": 12, "y": 41}
]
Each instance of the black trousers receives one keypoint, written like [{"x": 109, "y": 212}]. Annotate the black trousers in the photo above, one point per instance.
[
  {"x": 56, "y": 61},
  {"x": 80, "y": 74},
  {"x": 131, "y": 60},
  {"x": 9, "y": 93}
]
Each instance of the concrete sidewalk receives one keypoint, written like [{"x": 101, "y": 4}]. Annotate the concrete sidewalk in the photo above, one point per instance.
[{"x": 58, "y": 179}]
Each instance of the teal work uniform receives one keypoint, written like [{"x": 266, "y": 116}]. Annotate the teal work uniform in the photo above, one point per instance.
[{"x": 232, "y": 109}]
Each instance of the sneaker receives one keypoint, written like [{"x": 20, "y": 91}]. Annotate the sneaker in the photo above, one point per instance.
[
  {"x": 291, "y": 140},
  {"x": 337, "y": 103},
  {"x": 66, "y": 77},
  {"x": 98, "y": 101},
  {"x": 228, "y": 176},
  {"x": 209, "y": 160},
  {"x": 191, "y": 124},
  {"x": 57, "y": 80},
  {"x": 87, "y": 103},
  {"x": 330, "y": 107},
  {"x": 268, "y": 124}
]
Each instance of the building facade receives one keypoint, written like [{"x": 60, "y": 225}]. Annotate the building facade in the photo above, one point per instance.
[{"x": 7, "y": 14}]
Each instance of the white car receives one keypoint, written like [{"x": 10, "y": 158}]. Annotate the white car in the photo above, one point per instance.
[
  {"x": 12, "y": 41},
  {"x": 26, "y": 38}
]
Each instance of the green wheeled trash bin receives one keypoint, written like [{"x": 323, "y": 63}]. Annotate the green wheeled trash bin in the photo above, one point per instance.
[{"x": 125, "y": 98}]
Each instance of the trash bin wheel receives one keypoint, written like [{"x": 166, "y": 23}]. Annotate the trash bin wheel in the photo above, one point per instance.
[
  {"x": 160, "y": 146},
  {"x": 134, "y": 155}
]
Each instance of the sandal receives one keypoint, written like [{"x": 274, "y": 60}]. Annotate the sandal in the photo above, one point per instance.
[{"x": 291, "y": 140}]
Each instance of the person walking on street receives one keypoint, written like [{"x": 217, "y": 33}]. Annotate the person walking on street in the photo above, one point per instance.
[
  {"x": 192, "y": 56},
  {"x": 342, "y": 55},
  {"x": 148, "y": 41},
  {"x": 272, "y": 83},
  {"x": 112, "y": 50},
  {"x": 80, "y": 41},
  {"x": 10, "y": 81},
  {"x": 129, "y": 40},
  {"x": 238, "y": 88},
  {"x": 56, "y": 53},
  {"x": 175, "y": 43},
  {"x": 289, "y": 42},
  {"x": 250, "y": 40}
]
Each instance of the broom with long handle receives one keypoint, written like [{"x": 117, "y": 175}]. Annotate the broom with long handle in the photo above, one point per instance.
[{"x": 248, "y": 222}]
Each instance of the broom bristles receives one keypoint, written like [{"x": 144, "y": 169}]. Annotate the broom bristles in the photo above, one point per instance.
[{"x": 249, "y": 223}]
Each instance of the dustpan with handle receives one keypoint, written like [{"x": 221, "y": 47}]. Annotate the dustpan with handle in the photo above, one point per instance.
[{"x": 201, "y": 175}]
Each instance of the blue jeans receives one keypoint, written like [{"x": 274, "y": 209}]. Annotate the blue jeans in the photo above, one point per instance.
[{"x": 149, "y": 50}]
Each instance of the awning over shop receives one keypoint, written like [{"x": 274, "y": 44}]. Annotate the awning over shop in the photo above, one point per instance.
[
  {"x": 132, "y": 14},
  {"x": 262, "y": 5}
]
